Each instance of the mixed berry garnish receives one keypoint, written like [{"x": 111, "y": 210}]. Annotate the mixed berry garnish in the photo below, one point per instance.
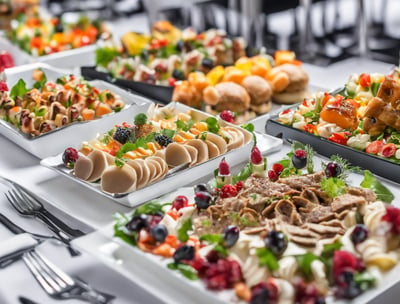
[
  {"x": 332, "y": 170},
  {"x": 392, "y": 216},
  {"x": 69, "y": 157},
  {"x": 138, "y": 222},
  {"x": 122, "y": 134},
  {"x": 273, "y": 176},
  {"x": 264, "y": 292}
]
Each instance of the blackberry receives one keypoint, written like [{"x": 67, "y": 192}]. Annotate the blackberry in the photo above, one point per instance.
[
  {"x": 122, "y": 135},
  {"x": 163, "y": 140}
]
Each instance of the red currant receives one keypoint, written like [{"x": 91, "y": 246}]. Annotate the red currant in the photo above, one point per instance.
[
  {"x": 273, "y": 176},
  {"x": 228, "y": 116},
  {"x": 179, "y": 202},
  {"x": 278, "y": 168}
]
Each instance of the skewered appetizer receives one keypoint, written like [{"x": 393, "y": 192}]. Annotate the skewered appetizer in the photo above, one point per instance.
[
  {"x": 365, "y": 116},
  {"x": 50, "y": 105},
  {"x": 132, "y": 156},
  {"x": 38, "y": 35},
  {"x": 289, "y": 237}
]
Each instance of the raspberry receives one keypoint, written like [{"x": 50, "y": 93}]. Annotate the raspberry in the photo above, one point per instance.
[
  {"x": 224, "y": 168},
  {"x": 228, "y": 190},
  {"x": 273, "y": 176},
  {"x": 393, "y": 217},
  {"x": 344, "y": 260},
  {"x": 278, "y": 168},
  {"x": 227, "y": 116},
  {"x": 255, "y": 156},
  {"x": 200, "y": 265},
  {"x": 212, "y": 256},
  {"x": 239, "y": 186},
  {"x": 217, "y": 282},
  {"x": 3, "y": 86}
]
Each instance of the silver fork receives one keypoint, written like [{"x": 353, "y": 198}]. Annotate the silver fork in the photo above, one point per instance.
[
  {"x": 19, "y": 201},
  {"x": 58, "y": 284},
  {"x": 29, "y": 205}
]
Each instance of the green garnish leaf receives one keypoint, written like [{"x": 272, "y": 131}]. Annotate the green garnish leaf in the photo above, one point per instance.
[
  {"x": 120, "y": 230},
  {"x": 304, "y": 261},
  {"x": 180, "y": 124},
  {"x": 249, "y": 127},
  {"x": 183, "y": 235},
  {"x": 40, "y": 84},
  {"x": 243, "y": 174},
  {"x": 371, "y": 182},
  {"x": 105, "y": 55},
  {"x": 333, "y": 186},
  {"x": 218, "y": 240},
  {"x": 267, "y": 258},
  {"x": 312, "y": 115},
  {"x": 139, "y": 143},
  {"x": 364, "y": 280},
  {"x": 375, "y": 88},
  {"x": 168, "y": 132},
  {"x": 150, "y": 208},
  {"x": 39, "y": 112},
  {"x": 119, "y": 162},
  {"x": 140, "y": 119},
  {"x": 19, "y": 89},
  {"x": 186, "y": 270},
  {"x": 329, "y": 249},
  {"x": 212, "y": 124}
]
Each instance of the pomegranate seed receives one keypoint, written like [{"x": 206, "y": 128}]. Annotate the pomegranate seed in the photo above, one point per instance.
[
  {"x": 255, "y": 156},
  {"x": 224, "y": 168},
  {"x": 228, "y": 190}
]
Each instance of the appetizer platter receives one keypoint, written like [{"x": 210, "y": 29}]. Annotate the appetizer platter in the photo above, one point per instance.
[
  {"x": 287, "y": 231},
  {"x": 165, "y": 147},
  {"x": 41, "y": 38},
  {"x": 56, "y": 110},
  {"x": 359, "y": 122}
]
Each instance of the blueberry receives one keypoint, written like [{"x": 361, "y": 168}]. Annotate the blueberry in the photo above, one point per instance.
[
  {"x": 178, "y": 75},
  {"x": 185, "y": 252},
  {"x": 163, "y": 140},
  {"x": 276, "y": 241},
  {"x": 231, "y": 235},
  {"x": 332, "y": 170},
  {"x": 122, "y": 135},
  {"x": 299, "y": 159},
  {"x": 359, "y": 234},
  {"x": 138, "y": 222},
  {"x": 180, "y": 46},
  {"x": 202, "y": 199},
  {"x": 260, "y": 296},
  {"x": 201, "y": 188},
  {"x": 159, "y": 232},
  {"x": 207, "y": 63}
]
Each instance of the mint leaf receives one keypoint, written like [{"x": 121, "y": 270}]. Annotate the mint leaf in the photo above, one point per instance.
[
  {"x": 19, "y": 89},
  {"x": 333, "y": 186},
  {"x": 186, "y": 270},
  {"x": 218, "y": 240},
  {"x": 371, "y": 182},
  {"x": 365, "y": 280},
  {"x": 212, "y": 124},
  {"x": 150, "y": 208},
  {"x": 183, "y": 235},
  {"x": 267, "y": 258},
  {"x": 120, "y": 230},
  {"x": 329, "y": 249},
  {"x": 304, "y": 261}
]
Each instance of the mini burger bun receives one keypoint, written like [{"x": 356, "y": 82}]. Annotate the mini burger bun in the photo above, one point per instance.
[
  {"x": 259, "y": 89},
  {"x": 227, "y": 96},
  {"x": 291, "y": 97}
]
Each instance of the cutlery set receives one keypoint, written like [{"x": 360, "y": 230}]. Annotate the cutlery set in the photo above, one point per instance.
[{"x": 55, "y": 282}]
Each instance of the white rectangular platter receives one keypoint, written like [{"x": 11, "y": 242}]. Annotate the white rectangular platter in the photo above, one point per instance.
[
  {"x": 71, "y": 135},
  {"x": 177, "y": 179}
]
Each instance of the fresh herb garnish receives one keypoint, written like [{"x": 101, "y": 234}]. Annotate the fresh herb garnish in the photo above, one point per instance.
[
  {"x": 186, "y": 270},
  {"x": 150, "y": 208},
  {"x": 218, "y": 241},
  {"x": 304, "y": 261},
  {"x": 333, "y": 186},
  {"x": 267, "y": 258},
  {"x": 120, "y": 230},
  {"x": 105, "y": 55},
  {"x": 19, "y": 89},
  {"x": 213, "y": 125},
  {"x": 140, "y": 119},
  {"x": 371, "y": 182},
  {"x": 180, "y": 124},
  {"x": 40, "y": 83},
  {"x": 139, "y": 143},
  {"x": 183, "y": 235}
]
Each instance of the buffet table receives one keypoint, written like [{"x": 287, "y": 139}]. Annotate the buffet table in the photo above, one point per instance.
[{"x": 89, "y": 211}]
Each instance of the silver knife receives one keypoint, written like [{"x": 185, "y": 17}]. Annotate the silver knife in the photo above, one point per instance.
[{"x": 12, "y": 249}]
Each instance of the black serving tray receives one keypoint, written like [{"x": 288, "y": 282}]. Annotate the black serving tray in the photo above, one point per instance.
[
  {"x": 158, "y": 93},
  {"x": 323, "y": 146}
]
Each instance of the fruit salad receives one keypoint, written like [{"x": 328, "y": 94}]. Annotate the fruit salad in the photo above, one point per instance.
[
  {"x": 51, "y": 105},
  {"x": 133, "y": 155},
  {"x": 294, "y": 236},
  {"x": 38, "y": 35},
  {"x": 364, "y": 116}
]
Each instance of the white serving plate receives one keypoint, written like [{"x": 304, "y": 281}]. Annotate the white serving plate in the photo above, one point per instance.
[
  {"x": 69, "y": 59},
  {"x": 73, "y": 134},
  {"x": 140, "y": 267},
  {"x": 172, "y": 181}
]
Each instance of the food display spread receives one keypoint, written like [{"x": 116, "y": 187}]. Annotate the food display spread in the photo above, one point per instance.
[
  {"x": 276, "y": 233},
  {"x": 364, "y": 116},
  {"x": 50, "y": 105},
  {"x": 40, "y": 35},
  {"x": 132, "y": 156}
]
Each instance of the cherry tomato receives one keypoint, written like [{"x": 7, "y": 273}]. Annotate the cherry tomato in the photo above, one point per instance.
[
  {"x": 389, "y": 150},
  {"x": 365, "y": 80},
  {"x": 374, "y": 147},
  {"x": 339, "y": 138}
]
